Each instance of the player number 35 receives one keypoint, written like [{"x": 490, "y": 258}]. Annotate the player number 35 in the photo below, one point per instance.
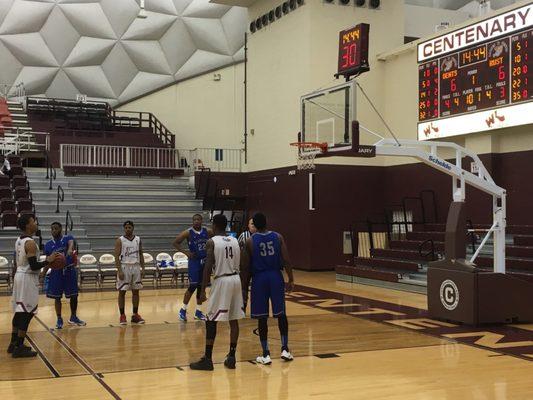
[{"x": 267, "y": 249}]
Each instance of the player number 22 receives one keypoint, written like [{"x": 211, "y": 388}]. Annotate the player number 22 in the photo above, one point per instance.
[{"x": 267, "y": 249}]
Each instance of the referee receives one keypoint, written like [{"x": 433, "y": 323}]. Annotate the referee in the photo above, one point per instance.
[{"x": 247, "y": 233}]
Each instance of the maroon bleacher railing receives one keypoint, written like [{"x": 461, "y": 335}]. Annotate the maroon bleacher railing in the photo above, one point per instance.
[
  {"x": 144, "y": 120},
  {"x": 114, "y": 118}
]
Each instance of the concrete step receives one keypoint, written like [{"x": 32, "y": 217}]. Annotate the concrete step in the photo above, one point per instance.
[
  {"x": 414, "y": 245},
  {"x": 138, "y": 195},
  {"x": 519, "y": 251},
  {"x": 387, "y": 264},
  {"x": 399, "y": 254},
  {"x": 515, "y": 264},
  {"x": 419, "y": 235},
  {"x": 145, "y": 216},
  {"x": 521, "y": 240},
  {"x": 366, "y": 272}
]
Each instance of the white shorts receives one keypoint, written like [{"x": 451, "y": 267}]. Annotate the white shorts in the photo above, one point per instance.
[
  {"x": 25, "y": 296},
  {"x": 132, "y": 278},
  {"x": 225, "y": 299}
]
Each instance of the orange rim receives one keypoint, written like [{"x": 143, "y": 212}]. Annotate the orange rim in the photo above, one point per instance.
[{"x": 309, "y": 145}]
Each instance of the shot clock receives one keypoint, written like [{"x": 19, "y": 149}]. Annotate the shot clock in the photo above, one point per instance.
[{"x": 353, "y": 51}]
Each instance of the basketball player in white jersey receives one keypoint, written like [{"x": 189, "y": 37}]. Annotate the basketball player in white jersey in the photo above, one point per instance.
[
  {"x": 25, "y": 286},
  {"x": 129, "y": 261},
  {"x": 225, "y": 301}
]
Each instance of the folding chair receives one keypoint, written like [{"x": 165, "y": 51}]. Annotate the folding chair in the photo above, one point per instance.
[
  {"x": 182, "y": 266},
  {"x": 107, "y": 267},
  {"x": 165, "y": 268},
  {"x": 5, "y": 272},
  {"x": 89, "y": 269},
  {"x": 150, "y": 269}
]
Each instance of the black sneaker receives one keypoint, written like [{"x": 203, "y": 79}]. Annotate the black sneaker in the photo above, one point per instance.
[
  {"x": 23, "y": 352},
  {"x": 229, "y": 362},
  {"x": 12, "y": 346},
  {"x": 203, "y": 365}
]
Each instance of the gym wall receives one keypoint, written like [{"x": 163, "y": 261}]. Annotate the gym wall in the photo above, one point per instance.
[{"x": 202, "y": 111}]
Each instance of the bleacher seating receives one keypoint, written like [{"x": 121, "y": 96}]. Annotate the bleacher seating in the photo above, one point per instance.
[{"x": 15, "y": 194}]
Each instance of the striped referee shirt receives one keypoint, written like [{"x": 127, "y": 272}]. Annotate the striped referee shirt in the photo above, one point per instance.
[{"x": 243, "y": 238}]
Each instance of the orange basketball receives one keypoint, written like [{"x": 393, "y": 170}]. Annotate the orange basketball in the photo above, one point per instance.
[{"x": 59, "y": 263}]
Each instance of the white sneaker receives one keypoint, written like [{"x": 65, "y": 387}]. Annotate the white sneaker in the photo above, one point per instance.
[
  {"x": 263, "y": 360},
  {"x": 285, "y": 355}
]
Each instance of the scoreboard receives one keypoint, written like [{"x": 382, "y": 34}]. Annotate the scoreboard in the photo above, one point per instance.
[{"x": 477, "y": 78}]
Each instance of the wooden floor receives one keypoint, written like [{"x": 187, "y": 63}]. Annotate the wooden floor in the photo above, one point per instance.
[{"x": 340, "y": 354}]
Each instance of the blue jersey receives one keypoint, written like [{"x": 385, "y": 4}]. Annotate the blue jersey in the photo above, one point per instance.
[
  {"x": 266, "y": 252},
  {"x": 58, "y": 246},
  {"x": 197, "y": 241}
]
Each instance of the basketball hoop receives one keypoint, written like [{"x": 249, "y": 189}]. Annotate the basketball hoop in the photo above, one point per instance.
[{"x": 307, "y": 151}]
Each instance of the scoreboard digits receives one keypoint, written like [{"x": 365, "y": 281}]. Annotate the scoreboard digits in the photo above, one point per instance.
[
  {"x": 521, "y": 89},
  {"x": 428, "y": 91},
  {"x": 486, "y": 76}
]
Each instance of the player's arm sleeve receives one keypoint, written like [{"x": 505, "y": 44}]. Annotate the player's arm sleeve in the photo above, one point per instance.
[
  {"x": 31, "y": 253},
  {"x": 141, "y": 254},
  {"x": 118, "y": 249},
  {"x": 209, "y": 262}
]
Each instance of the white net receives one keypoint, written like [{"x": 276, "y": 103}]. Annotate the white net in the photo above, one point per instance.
[{"x": 306, "y": 158}]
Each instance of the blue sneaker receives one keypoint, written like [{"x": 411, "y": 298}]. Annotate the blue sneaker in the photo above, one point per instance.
[
  {"x": 183, "y": 315},
  {"x": 59, "y": 323},
  {"x": 76, "y": 321},
  {"x": 200, "y": 316}
]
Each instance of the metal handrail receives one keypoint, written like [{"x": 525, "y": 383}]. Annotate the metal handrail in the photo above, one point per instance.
[
  {"x": 60, "y": 197},
  {"x": 51, "y": 174},
  {"x": 431, "y": 251},
  {"x": 472, "y": 234},
  {"x": 69, "y": 222}
]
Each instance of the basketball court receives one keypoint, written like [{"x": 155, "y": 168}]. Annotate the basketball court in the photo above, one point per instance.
[
  {"x": 372, "y": 352},
  {"x": 388, "y": 141}
]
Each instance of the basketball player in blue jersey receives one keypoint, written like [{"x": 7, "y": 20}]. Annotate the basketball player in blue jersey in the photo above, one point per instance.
[
  {"x": 264, "y": 257},
  {"x": 197, "y": 237},
  {"x": 63, "y": 281}
]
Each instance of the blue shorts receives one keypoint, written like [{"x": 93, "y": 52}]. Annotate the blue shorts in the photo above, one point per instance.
[
  {"x": 196, "y": 271},
  {"x": 267, "y": 285},
  {"x": 62, "y": 281}
]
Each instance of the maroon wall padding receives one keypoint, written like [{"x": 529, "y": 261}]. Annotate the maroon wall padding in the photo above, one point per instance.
[{"x": 355, "y": 193}]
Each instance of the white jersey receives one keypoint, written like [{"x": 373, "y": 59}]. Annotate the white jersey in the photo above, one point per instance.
[
  {"x": 23, "y": 265},
  {"x": 227, "y": 255},
  {"x": 25, "y": 297},
  {"x": 130, "y": 250}
]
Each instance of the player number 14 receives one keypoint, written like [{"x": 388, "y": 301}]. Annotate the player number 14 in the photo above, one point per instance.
[
  {"x": 229, "y": 252},
  {"x": 267, "y": 249}
]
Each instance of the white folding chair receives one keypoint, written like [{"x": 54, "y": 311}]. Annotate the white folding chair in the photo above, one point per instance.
[
  {"x": 5, "y": 272},
  {"x": 182, "y": 265},
  {"x": 89, "y": 269},
  {"x": 108, "y": 270},
  {"x": 150, "y": 270},
  {"x": 164, "y": 270}
]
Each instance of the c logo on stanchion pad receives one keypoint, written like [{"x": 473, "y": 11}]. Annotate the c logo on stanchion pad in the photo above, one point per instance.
[{"x": 449, "y": 295}]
